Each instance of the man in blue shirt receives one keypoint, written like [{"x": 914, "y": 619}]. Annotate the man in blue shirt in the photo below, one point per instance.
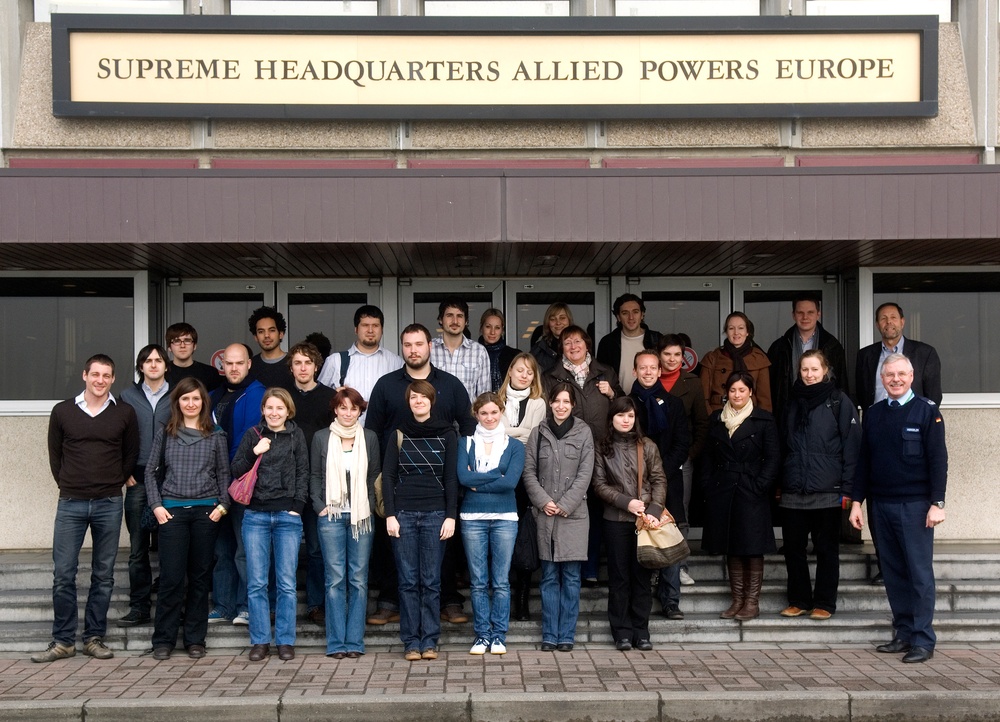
[{"x": 903, "y": 472}]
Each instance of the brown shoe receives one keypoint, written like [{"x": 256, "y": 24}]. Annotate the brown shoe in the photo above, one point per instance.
[
  {"x": 317, "y": 616},
  {"x": 820, "y": 614},
  {"x": 383, "y": 616},
  {"x": 412, "y": 656},
  {"x": 453, "y": 613},
  {"x": 286, "y": 652},
  {"x": 54, "y": 651},
  {"x": 95, "y": 647},
  {"x": 429, "y": 654},
  {"x": 196, "y": 651},
  {"x": 259, "y": 652},
  {"x": 793, "y": 611}
]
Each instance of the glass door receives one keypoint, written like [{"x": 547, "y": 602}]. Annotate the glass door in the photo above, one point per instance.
[
  {"x": 327, "y": 307},
  {"x": 418, "y": 301},
  {"x": 528, "y": 298},
  {"x": 768, "y": 303},
  {"x": 219, "y": 311}
]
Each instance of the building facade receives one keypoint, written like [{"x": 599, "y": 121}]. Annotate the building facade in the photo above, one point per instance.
[{"x": 111, "y": 228}]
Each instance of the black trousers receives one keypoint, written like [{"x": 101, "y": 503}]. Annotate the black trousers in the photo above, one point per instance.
[
  {"x": 824, "y": 527},
  {"x": 187, "y": 547},
  {"x": 630, "y": 595}
]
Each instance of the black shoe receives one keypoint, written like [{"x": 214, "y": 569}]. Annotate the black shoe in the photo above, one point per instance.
[
  {"x": 565, "y": 647},
  {"x": 161, "y": 653},
  {"x": 917, "y": 655},
  {"x": 894, "y": 647},
  {"x": 623, "y": 645},
  {"x": 548, "y": 647},
  {"x": 196, "y": 651},
  {"x": 673, "y": 613},
  {"x": 877, "y": 580},
  {"x": 133, "y": 618},
  {"x": 644, "y": 645}
]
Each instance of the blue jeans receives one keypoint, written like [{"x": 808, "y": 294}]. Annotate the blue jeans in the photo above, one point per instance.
[
  {"x": 140, "y": 574},
  {"x": 267, "y": 535},
  {"x": 560, "y": 588},
  {"x": 346, "y": 568},
  {"x": 229, "y": 579},
  {"x": 489, "y": 545},
  {"x": 315, "y": 574},
  {"x": 669, "y": 586},
  {"x": 73, "y": 517},
  {"x": 418, "y": 551}
]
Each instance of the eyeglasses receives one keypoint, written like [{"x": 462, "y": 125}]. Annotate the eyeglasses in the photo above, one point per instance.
[{"x": 186, "y": 341}]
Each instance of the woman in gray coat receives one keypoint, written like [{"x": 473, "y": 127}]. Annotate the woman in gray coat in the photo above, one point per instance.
[{"x": 557, "y": 471}]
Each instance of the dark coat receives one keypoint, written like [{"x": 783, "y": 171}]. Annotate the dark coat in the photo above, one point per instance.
[
  {"x": 609, "y": 350},
  {"x": 741, "y": 474},
  {"x": 716, "y": 368},
  {"x": 688, "y": 390},
  {"x": 317, "y": 475},
  {"x": 926, "y": 371},
  {"x": 589, "y": 403},
  {"x": 672, "y": 443},
  {"x": 547, "y": 355},
  {"x": 823, "y": 455},
  {"x": 507, "y": 356},
  {"x": 781, "y": 352}
]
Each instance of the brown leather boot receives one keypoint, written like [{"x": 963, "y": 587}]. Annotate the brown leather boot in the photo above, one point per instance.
[
  {"x": 737, "y": 584},
  {"x": 755, "y": 578}
]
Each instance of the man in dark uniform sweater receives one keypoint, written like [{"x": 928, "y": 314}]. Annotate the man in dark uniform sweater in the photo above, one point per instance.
[
  {"x": 903, "y": 472},
  {"x": 93, "y": 448}
]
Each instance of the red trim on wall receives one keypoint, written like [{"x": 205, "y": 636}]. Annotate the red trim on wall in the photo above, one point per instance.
[
  {"x": 159, "y": 163},
  {"x": 501, "y": 163},
  {"x": 774, "y": 162},
  {"x": 293, "y": 164},
  {"x": 819, "y": 161}
]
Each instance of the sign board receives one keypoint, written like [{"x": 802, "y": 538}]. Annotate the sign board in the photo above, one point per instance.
[{"x": 493, "y": 68}]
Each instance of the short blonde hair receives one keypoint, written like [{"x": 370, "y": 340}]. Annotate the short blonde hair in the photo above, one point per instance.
[{"x": 276, "y": 392}]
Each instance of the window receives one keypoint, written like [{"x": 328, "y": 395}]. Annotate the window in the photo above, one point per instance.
[
  {"x": 50, "y": 326},
  {"x": 496, "y": 8},
  {"x": 304, "y": 7},
  {"x": 941, "y": 8},
  {"x": 45, "y": 8},
  {"x": 686, "y": 8},
  {"x": 958, "y": 314}
]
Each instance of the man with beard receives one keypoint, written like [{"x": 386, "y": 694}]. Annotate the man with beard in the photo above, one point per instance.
[
  {"x": 269, "y": 366},
  {"x": 387, "y": 407},
  {"x": 457, "y": 354}
]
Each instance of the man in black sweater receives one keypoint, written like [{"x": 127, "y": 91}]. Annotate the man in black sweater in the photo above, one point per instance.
[
  {"x": 903, "y": 472},
  {"x": 93, "y": 448}
]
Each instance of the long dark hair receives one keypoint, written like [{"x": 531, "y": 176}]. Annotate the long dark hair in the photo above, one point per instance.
[
  {"x": 619, "y": 405},
  {"x": 186, "y": 386}
]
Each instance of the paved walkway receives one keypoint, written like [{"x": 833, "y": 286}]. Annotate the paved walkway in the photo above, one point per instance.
[{"x": 725, "y": 673}]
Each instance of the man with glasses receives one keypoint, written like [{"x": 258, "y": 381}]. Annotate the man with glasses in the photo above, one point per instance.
[{"x": 182, "y": 341}]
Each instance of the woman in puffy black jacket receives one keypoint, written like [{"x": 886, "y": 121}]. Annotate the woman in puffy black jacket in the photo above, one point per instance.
[{"x": 823, "y": 439}]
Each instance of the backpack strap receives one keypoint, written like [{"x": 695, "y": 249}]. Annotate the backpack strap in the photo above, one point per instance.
[{"x": 345, "y": 363}]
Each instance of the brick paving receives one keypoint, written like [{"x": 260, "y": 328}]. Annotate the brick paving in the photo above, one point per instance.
[{"x": 690, "y": 668}]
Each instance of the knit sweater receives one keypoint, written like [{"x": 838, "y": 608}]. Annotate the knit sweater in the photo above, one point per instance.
[
  {"x": 195, "y": 468},
  {"x": 903, "y": 454},
  {"x": 92, "y": 456},
  {"x": 312, "y": 410},
  {"x": 490, "y": 492},
  {"x": 419, "y": 474}
]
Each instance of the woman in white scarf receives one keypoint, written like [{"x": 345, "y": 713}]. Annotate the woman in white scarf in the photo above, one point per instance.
[
  {"x": 489, "y": 467},
  {"x": 345, "y": 464}
]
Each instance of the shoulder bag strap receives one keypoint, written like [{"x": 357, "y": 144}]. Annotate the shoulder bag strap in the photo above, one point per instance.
[
  {"x": 638, "y": 449},
  {"x": 345, "y": 362}
]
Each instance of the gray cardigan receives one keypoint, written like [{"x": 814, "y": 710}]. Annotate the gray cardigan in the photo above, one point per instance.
[
  {"x": 150, "y": 421},
  {"x": 317, "y": 479}
]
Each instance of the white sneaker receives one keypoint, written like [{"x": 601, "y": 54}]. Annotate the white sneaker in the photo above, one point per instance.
[
  {"x": 498, "y": 647},
  {"x": 480, "y": 646},
  {"x": 242, "y": 619},
  {"x": 686, "y": 579}
]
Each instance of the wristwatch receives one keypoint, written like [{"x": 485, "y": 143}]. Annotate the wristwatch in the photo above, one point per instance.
[{"x": 939, "y": 504}]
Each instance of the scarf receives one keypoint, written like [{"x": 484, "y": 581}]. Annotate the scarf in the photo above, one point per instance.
[
  {"x": 669, "y": 378},
  {"x": 560, "y": 430},
  {"x": 733, "y": 418},
  {"x": 514, "y": 399},
  {"x": 579, "y": 371},
  {"x": 808, "y": 398},
  {"x": 337, "y": 477},
  {"x": 493, "y": 351},
  {"x": 738, "y": 354},
  {"x": 656, "y": 410},
  {"x": 426, "y": 429},
  {"x": 481, "y": 437}
]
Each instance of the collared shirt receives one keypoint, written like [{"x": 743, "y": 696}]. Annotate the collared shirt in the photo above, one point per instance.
[
  {"x": 81, "y": 401},
  {"x": 799, "y": 347},
  {"x": 470, "y": 362},
  {"x": 363, "y": 370},
  {"x": 154, "y": 396},
  {"x": 880, "y": 392},
  {"x": 903, "y": 401}
]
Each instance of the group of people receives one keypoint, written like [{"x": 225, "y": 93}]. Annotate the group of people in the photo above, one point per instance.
[{"x": 403, "y": 470}]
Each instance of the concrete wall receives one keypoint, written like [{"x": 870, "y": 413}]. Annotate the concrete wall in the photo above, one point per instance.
[{"x": 30, "y": 494}]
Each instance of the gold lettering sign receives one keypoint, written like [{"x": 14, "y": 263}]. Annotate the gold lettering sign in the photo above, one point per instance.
[{"x": 554, "y": 72}]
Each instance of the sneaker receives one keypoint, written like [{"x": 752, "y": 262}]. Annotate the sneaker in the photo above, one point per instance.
[
  {"x": 95, "y": 647},
  {"x": 383, "y": 616},
  {"x": 216, "y": 617},
  {"x": 242, "y": 619},
  {"x": 498, "y": 647},
  {"x": 412, "y": 655},
  {"x": 480, "y": 646},
  {"x": 686, "y": 579},
  {"x": 133, "y": 618},
  {"x": 673, "y": 613},
  {"x": 429, "y": 653},
  {"x": 55, "y": 651}
]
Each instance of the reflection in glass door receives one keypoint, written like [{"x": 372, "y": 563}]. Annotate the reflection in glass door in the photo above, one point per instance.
[
  {"x": 528, "y": 298},
  {"x": 694, "y": 306},
  {"x": 768, "y": 303},
  {"x": 324, "y": 306},
  {"x": 418, "y": 302}
]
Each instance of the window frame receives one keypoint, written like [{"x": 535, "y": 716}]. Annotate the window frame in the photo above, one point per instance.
[
  {"x": 866, "y": 325},
  {"x": 140, "y": 332}
]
